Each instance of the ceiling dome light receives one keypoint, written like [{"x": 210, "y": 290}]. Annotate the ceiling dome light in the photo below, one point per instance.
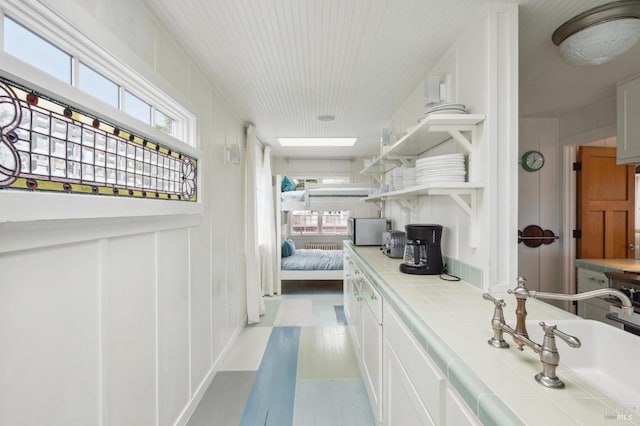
[
  {"x": 599, "y": 34},
  {"x": 326, "y": 117}
]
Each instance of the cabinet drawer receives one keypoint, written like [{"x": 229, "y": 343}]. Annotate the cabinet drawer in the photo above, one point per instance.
[
  {"x": 373, "y": 299},
  {"x": 426, "y": 377},
  {"x": 591, "y": 280}
]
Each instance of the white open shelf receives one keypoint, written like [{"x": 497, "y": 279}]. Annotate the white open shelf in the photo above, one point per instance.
[{"x": 431, "y": 132}]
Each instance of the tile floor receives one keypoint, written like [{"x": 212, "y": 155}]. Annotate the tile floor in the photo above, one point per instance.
[{"x": 296, "y": 367}]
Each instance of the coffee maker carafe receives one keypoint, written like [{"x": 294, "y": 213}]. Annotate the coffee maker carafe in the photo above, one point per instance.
[{"x": 422, "y": 253}]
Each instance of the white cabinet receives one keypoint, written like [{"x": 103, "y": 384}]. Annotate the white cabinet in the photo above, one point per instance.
[
  {"x": 628, "y": 132},
  {"x": 353, "y": 308},
  {"x": 457, "y": 411},
  {"x": 363, "y": 309},
  {"x": 404, "y": 385},
  {"x": 402, "y": 405},
  {"x": 408, "y": 369},
  {"x": 594, "y": 308},
  {"x": 372, "y": 345}
]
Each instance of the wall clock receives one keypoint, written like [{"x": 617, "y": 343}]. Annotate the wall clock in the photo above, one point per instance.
[{"x": 532, "y": 161}]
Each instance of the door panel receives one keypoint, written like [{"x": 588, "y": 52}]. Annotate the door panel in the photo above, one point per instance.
[{"x": 606, "y": 197}]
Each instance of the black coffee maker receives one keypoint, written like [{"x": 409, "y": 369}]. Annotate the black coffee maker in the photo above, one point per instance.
[{"x": 422, "y": 253}]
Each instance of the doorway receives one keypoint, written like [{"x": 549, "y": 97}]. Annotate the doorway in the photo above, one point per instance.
[{"x": 609, "y": 231}]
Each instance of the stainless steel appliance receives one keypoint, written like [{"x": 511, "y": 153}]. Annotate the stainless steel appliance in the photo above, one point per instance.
[
  {"x": 422, "y": 252},
  {"x": 393, "y": 243},
  {"x": 366, "y": 231},
  {"x": 629, "y": 284}
]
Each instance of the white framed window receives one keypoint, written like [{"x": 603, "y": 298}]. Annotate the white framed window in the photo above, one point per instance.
[
  {"x": 314, "y": 222},
  {"x": 98, "y": 86},
  {"x": 107, "y": 160},
  {"x": 303, "y": 181},
  {"x": 77, "y": 61}
]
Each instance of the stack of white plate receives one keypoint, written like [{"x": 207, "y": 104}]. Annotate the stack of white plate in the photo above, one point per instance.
[
  {"x": 441, "y": 168},
  {"x": 444, "y": 109},
  {"x": 409, "y": 177},
  {"x": 397, "y": 178}
]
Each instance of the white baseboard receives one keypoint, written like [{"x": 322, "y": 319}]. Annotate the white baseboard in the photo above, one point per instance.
[{"x": 190, "y": 408}]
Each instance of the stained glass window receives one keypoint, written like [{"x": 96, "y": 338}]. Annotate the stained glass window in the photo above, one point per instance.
[
  {"x": 97, "y": 78},
  {"x": 47, "y": 145}
]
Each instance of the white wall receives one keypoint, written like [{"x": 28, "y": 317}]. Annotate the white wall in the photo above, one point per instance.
[
  {"x": 546, "y": 199},
  {"x": 540, "y": 203},
  {"x": 482, "y": 66},
  {"x": 121, "y": 321}
]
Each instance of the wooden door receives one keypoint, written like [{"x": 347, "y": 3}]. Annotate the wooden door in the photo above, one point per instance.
[{"x": 606, "y": 200}]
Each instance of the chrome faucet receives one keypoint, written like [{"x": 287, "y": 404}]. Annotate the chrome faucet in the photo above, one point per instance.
[
  {"x": 549, "y": 356},
  {"x": 522, "y": 293}
]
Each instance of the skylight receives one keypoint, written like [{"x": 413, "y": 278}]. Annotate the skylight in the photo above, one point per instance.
[{"x": 317, "y": 142}]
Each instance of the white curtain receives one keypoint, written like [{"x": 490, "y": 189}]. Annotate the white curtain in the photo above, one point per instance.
[
  {"x": 261, "y": 229},
  {"x": 267, "y": 228},
  {"x": 253, "y": 162}
]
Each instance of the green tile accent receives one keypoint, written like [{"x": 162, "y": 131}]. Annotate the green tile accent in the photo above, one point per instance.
[
  {"x": 467, "y": 272},
  {"x": 466, "y": 383},
  {"x": 475, "y": 276},
  {"x": 440, "y": 353},
  {"x": 493, "y": 412}
]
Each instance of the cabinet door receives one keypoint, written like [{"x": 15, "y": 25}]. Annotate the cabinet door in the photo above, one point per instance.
[
  {"x": 402, "y": 404},
  {"x": 594, "y": 309},
  {"x": 591, "y": 280},
  {"x": 457, "y": 412},
  {"x": 355, "y": 315},
  {"x": 372, "y": 358},
  {"x": 628, "y": 134},
  {"x": 426, "y": 378}
]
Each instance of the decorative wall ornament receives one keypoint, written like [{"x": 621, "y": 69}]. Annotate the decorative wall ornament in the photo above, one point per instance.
[{"x": 47, "y": 145}]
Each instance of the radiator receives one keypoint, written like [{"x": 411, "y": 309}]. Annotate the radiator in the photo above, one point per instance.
[{"x": 321, "y": 246}]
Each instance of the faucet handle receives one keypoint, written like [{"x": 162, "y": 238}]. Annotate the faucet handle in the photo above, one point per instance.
[
  {"x": 551, "y": 330},
  {"x": 497, "y": 302},
  {"x": 521, "y": 291}
]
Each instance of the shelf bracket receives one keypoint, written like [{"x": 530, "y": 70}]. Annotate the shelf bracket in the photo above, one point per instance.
[
  {"x": 470, "y": 208},
  {"x": 456, "y": 134},
  {"x": 406, "y": 205},
  {"x": 377, "y": 179},
  {"x": 461, "y": 139}
]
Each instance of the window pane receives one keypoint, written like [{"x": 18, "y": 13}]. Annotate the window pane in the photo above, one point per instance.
[
  {"x": 136, "y": 107},
  {"x": 34, "y": 50},
  {"x": 304, "y": 222},
  {"x": 335, "y": 222},
  {"x": 98, "y": 85},
  {"x": 164, "y": 123},
  {"x": 335, "y": 180}
]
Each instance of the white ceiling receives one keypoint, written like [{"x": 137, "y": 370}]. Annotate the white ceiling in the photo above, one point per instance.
[{"x": 282, "y": 63}]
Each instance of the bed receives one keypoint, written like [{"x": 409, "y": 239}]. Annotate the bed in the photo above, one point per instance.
[
  {"x": 314, "y": 264},
  {"x": 324, "y": 197}
]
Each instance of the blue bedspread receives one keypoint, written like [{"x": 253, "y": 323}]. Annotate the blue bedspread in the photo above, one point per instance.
[{"x": 312, "y": 259}]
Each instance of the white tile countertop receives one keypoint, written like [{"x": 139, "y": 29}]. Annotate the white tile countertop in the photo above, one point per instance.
[{"x": 452, "y": 322}]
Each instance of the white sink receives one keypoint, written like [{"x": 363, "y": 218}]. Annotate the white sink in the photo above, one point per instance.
[{"x": 607, "y": 358}]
